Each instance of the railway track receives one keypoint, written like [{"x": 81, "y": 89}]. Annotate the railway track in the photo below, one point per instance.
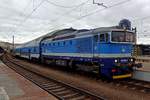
[
  {"x": 133, "y": 84},
  {"x": 59, "y": 89}
]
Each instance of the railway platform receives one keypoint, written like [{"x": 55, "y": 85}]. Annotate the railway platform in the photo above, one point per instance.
[
  {"x": 144, "y": 72},
  {"x": 145, "y": 60},
  {"x": 15, "y": 87}
]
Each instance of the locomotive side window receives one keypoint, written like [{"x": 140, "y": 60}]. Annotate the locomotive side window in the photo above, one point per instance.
[
  {"x": 42, "y": 44},
  {"x": 70, "y": 42},
  {"x": 102, "y": 37},
  {"x": 34, "y": 49},
  {"x": 106, "y": 37},
  {"x": 64, "y": 43},
  {"x": 96, "y": 38},
  {"x": 58, "y": 43}
]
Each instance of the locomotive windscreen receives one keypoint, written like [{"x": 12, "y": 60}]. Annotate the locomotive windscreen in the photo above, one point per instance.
[{"x": 120, "y": 36}]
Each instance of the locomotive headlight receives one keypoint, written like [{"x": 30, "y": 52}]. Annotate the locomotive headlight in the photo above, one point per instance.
[
  {"x": 116, "y": 60},
  {"x": 131, "y": 60}
]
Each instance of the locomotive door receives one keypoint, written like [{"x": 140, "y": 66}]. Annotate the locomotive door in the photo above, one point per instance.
[
  {"x": 29, "y": 53},
  {"x": 95, "y": 42}
]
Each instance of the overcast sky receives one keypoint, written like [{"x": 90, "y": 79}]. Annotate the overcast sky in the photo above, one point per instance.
[{"x": 29, "y": 19}]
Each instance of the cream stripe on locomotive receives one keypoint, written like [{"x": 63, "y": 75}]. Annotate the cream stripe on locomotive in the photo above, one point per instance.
[
  {"x": 17, "y": 54},
  {"x": 25, "y": 56},
  {"x": 35, "y": 55},
  {"x": 87, "y": 55}
]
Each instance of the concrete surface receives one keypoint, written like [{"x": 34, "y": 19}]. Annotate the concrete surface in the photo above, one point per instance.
[
  {"x": 141, "y": 75},
  {"x": 145, "y": 60},
  {"x": 3, "y": 94},
  {"x": 146, "y": 66},
  {"x": 15, "y": 87}
]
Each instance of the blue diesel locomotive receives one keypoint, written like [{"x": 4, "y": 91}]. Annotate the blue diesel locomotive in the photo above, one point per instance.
[{"x": 106, "y": 51}]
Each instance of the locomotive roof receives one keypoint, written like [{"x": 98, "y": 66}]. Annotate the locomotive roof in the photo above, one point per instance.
[
  {"x": 70, "y": 31},
  {"x": 113, "y": 28},
  {"x": 86, "y": 31},
  {"x": 36, "y": 41},
  {"x": 63, "y": 31}
]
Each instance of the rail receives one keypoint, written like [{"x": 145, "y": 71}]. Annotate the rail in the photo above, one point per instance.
[{"x": 60, "y": 90}]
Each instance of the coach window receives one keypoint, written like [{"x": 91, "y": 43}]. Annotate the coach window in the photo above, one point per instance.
[{"x": 102, "y": 37}]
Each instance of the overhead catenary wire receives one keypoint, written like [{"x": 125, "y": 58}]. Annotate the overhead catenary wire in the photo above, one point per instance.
[
  {"x": 89, "y": 14},
  {"x": 24, "y": 9},
  {"x": 108, "y": 7},
  {"x": 29, "y": 15},
  {"x": 99, "y": 4},
  {"x": 62, "y": 6},
  {"x": 70, "y": 11},
  {"x": 34, "y": 9},
  {"x": 93, "y": 12},
  {"x": 142, "y": 32}
]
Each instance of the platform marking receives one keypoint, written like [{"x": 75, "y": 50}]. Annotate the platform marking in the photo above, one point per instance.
[{"x": 3, "y": 94}]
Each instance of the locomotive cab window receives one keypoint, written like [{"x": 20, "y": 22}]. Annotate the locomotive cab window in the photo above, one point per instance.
[{"x": 122, "y": 36}]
